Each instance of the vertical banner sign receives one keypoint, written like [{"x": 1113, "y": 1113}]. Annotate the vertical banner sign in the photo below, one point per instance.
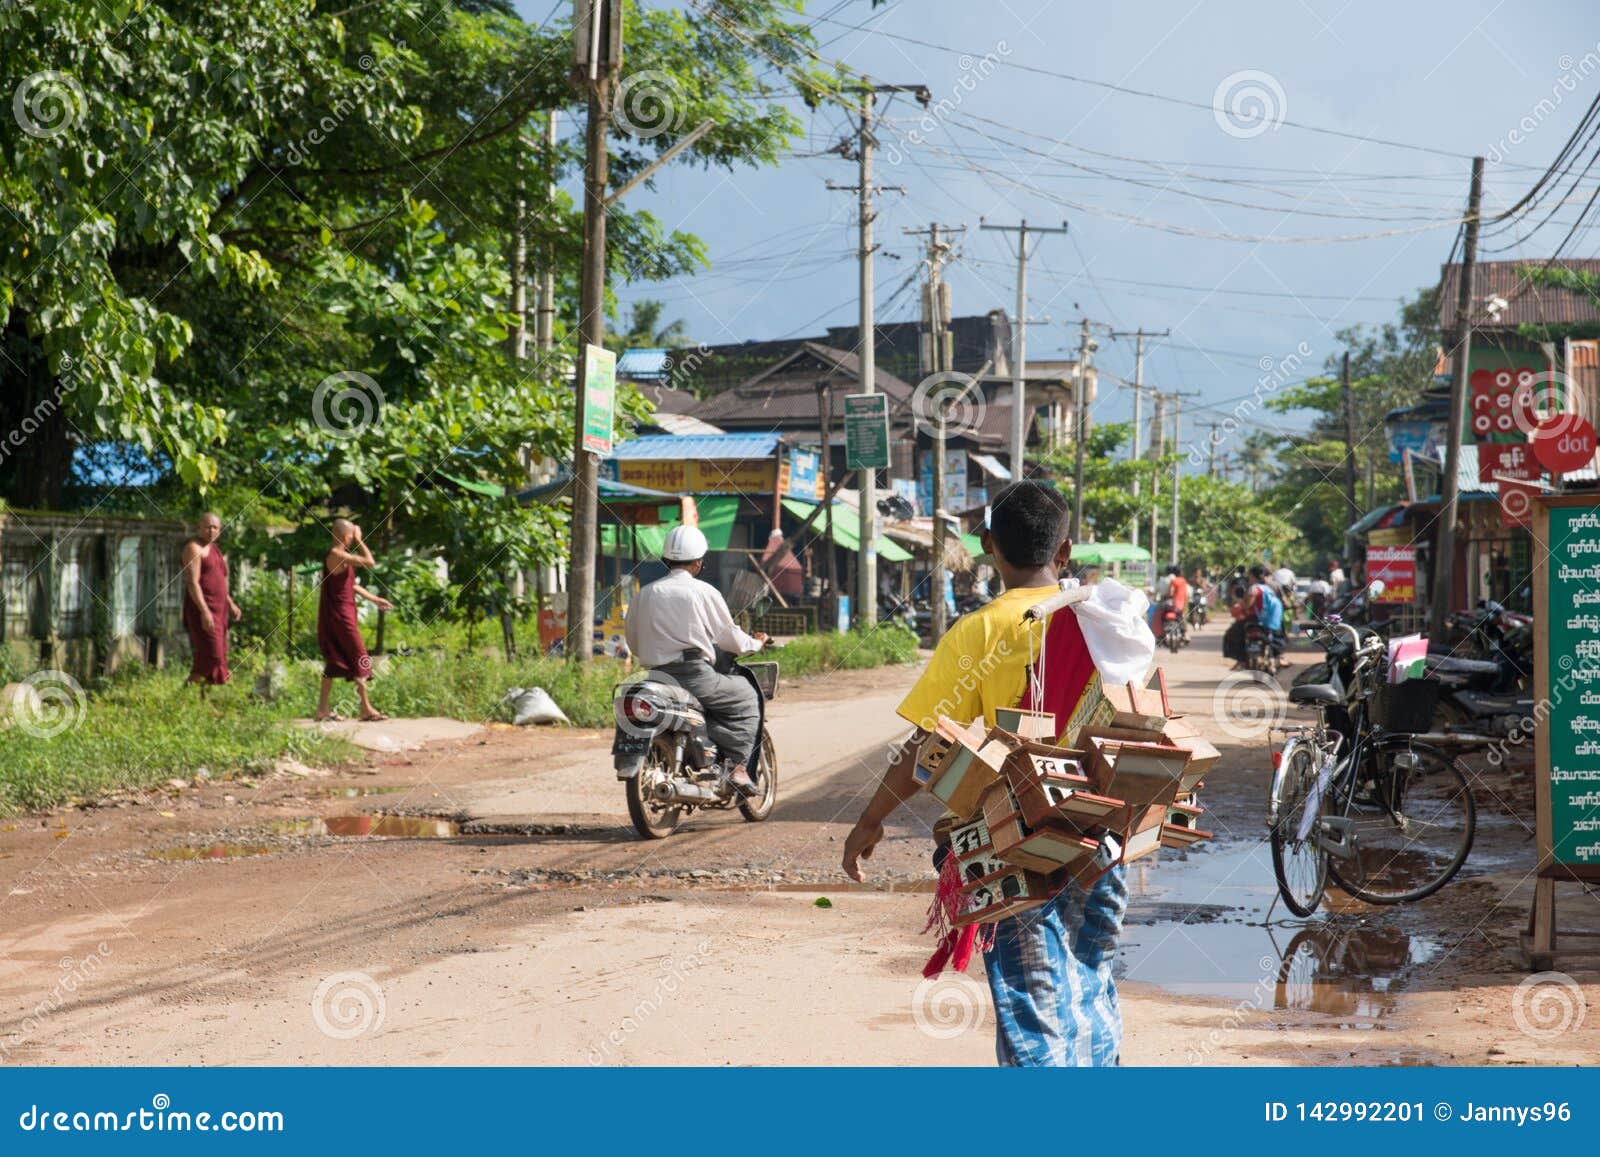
[
  {"x": 599, "y": 398},
  {"x": 1567, "y": 558},
  {"x": 1566, "y": 731},
  {"x": 866, "y": 431},
  {"x": 1396, "y": 564}
]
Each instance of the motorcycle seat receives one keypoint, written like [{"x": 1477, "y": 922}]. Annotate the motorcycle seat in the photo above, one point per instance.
[
  {"x": 1315, "y": 693},
  {"x": 1452, "y": 665},
  {"x": 665, "y": 688}
]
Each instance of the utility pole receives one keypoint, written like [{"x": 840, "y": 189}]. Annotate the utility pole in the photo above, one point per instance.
[
  {"x": 597, "y": 43},
  {"x": 866, "y": 145},
  {"x": 1080, "y": 406},
  {"x": 544, "y": 318},
  {"x": 1138, "y": 388},
  {"x": 1349, "y": 449},
  {"x": 1019, "y": 342},
  {"x": 1158, "y": 450},
  {"x": 1177, "y": 468},
  {"x": 937, "y": 355},
  {"x": 1444, "y": 554},
  {"x": 830, "y": 565}
]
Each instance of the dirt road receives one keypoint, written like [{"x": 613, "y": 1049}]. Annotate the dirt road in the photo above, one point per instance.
[{"x": 500, "y": 910}]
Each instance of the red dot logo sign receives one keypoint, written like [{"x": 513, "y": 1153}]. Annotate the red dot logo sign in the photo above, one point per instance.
[{"x": 1563, "y": 443}]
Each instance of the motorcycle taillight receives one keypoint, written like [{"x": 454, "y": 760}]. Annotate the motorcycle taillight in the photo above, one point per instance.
[{"x": 638, "y": 709}]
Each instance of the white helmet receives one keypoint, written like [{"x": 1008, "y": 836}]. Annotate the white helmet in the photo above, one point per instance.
[{"x": 684, "y": 544}]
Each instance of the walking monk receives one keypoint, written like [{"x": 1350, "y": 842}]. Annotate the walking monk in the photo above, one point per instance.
[
  {"x": 338, "y": 633},
  {"x": 207, "y": 606}
]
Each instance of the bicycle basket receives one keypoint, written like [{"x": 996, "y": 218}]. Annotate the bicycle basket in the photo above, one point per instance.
[
  {"x": 766, "y": 677},
  {"x": 1406, "y": 707}
]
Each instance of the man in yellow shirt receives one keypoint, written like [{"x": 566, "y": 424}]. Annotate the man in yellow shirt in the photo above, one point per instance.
[{"x": 1050, "y": 968}]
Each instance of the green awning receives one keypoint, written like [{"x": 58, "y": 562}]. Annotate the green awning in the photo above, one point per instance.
[
  {"x": 717, "y": 513},
  {"x": 846, "y": 529},
  {"x": 487, "y": 489},
  {"x": 1092, "y": 553},
  {"x": 974, "y": 545}
]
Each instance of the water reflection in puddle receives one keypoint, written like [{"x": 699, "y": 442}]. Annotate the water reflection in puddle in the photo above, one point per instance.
[
  {"x": 1194, "y": 927},
  {"x": 374, "y": 824},
  {"x": 212, "y": 852}
]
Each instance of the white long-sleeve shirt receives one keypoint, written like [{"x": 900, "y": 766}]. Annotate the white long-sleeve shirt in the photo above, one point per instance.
[{"x": 680, "y": 613}]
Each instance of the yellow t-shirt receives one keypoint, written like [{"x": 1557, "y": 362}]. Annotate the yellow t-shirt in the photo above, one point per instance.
[{"x": 981, "y": 663}]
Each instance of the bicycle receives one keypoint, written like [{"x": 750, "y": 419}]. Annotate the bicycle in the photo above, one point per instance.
[{"x": 1387, "y": 818}]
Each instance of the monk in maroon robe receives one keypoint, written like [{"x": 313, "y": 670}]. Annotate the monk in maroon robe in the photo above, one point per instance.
[
  {"x": 207, "y": 605},
  {"x": 344, "y": 656}
]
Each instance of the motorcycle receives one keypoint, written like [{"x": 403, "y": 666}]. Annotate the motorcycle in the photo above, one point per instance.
[
  {"x": 1262, "y": 651},
  {"x": 1172, "y": 636},
  {"x": 1197, "y": 612},
  {"x": 666, "y": 761}
]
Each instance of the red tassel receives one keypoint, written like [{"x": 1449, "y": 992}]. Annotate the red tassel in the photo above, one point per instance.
[{"x": 956, "y": 945}]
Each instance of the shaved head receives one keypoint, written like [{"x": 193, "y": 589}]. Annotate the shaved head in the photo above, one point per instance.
[{"x": 208, "y": 528}]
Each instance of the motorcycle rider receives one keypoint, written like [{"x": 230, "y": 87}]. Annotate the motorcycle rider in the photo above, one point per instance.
[
  {"x": 1267, "y": 608},
  {"x": 676, "y": 626},
  {"x": 1174, "y": 591}
]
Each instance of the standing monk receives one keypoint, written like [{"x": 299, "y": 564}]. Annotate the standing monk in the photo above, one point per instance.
[
  {"x": 207, "y": 606},
  {"x": 338, "y": 633}
]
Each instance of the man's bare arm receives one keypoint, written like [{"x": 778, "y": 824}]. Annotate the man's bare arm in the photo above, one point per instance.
[
  {"x": 897, "y": 786},
  {"x": 191, "y": 582}
]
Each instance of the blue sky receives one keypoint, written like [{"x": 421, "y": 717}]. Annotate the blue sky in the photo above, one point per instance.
[{"x": 1181, "y": 217}]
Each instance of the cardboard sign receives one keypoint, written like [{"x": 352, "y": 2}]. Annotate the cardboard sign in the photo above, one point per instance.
[{"x": 866, "y": 431}]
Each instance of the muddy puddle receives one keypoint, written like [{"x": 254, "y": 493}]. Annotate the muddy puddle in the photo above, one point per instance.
[
  {"x": 373, "y": 824},
  {"x": 1196, "y": 927},
  {"x": 211, "y": 852}
]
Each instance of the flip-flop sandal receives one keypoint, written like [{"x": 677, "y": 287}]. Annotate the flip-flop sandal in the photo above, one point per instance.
[
  {"x": 378, "y": 717},
  {"x": 330, "y": 717}
]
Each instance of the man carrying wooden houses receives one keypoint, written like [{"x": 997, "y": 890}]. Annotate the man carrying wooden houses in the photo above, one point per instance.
[{"x": 1050, "y": 968}]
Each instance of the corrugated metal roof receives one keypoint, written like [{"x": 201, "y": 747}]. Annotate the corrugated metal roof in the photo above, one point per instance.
[
  {"x": 644, "y": 363},
  {"x": 684, "y": 425},
  {"x": 669, "y": 447},
  {"x": 1526, "y": 303}
]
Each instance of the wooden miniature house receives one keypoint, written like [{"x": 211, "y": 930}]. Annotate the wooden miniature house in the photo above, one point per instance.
[
  {"x": 1004, "y": 894},
  {"x": 1035, "y": 725}
]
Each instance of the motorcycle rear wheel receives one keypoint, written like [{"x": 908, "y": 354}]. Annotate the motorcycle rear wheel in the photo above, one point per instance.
[
  {"x": 651, "y": 819},
  {"x": 757, "y": 808}
]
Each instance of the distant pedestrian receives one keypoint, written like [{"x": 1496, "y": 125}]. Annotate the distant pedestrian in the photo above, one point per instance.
[
  {"x": 207, "y": 606},
  {"x": 783, "y": 569},
  {"x": 344, "y": 656}
]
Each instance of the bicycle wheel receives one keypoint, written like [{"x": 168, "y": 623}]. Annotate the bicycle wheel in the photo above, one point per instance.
[
  {"x": 1412, "y": 822},
  {"x": 1299, "y": 862}
]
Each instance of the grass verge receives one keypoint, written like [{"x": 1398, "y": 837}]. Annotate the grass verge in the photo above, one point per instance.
[{"x": 144, "y": 727}]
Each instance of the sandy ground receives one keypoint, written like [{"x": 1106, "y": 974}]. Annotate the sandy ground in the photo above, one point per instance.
[{"x": 514, "y": 918}]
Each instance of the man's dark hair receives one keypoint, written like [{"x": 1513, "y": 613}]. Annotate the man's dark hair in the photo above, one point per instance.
[
  {"x": 1027, "y": 521},
  {"x": 1258, "y": 572},
  {"x": 1175, "y": 569}
]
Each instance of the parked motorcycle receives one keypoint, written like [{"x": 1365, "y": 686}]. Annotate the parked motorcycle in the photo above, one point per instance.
[{"x": 666, "y": 761}]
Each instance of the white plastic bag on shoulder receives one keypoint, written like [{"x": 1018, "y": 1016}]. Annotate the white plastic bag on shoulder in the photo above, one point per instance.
[{"x": 1115, "y": 624}]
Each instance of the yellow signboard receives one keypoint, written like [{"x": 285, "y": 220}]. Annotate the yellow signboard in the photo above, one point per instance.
[{"x": 702, "y": 476}]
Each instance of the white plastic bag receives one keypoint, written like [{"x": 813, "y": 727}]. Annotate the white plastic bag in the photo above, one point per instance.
[
  {"x": 533, "y": 705},
  {"x": 1115, "y": 626}
]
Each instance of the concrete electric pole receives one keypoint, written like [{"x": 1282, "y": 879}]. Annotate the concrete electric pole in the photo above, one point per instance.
[
  {"x": 1019, "y": 342},
  {"x": 1138, "y": 389}
]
